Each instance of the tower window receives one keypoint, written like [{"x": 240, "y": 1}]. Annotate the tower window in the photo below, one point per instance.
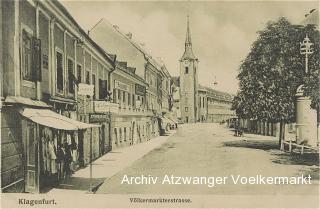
[
  {"x": 186, "y": 109},
  {"x": 186, "y": 70}
]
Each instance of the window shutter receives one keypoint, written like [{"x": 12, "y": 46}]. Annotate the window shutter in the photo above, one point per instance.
[
  {"x": 105, "y": 89},
  {"x": 36, "y": 59}
]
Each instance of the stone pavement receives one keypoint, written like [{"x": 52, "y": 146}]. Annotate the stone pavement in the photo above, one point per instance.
[{"x": 107, "y": 166}]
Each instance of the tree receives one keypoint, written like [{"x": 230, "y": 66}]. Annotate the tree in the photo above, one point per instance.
[{"x": 272, "y": 71}]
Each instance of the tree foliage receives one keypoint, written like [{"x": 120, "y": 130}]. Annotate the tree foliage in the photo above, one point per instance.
[{"x": 272, "y": 71}]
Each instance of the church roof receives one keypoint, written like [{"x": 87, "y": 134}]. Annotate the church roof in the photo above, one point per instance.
[{"x": 188, "y": 53}]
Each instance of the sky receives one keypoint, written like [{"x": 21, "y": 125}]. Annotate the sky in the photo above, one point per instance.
[{"x": 222, "y": 32}]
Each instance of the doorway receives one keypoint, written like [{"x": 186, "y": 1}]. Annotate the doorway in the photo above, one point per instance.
[{"x": 31, "y": 157}]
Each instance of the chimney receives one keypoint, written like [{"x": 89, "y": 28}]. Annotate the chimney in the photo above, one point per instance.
[{"x": 129, "y": 35}]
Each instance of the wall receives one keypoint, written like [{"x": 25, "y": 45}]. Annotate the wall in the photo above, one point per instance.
[
  {"x": 11, "y": 151},
  {"x": 45, "y": 60},
  {"x": 112, "y": 41},
  {"x": 188, "y": 89},
  {"x": 9, "y": 64},
  {"x": 27, "y": 20}
]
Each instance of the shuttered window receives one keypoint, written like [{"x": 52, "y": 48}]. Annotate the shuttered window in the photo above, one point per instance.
[
  {"x": 103, "y": 88},
  {"x": 70, "y": 76},
  {"x": 94, "y": 85},
  {"x": 30, "y": 57},
  {"x": 59, "y": 66},
  {"x": 79, "y": 72},
  {"x": 26, "y": 56}
]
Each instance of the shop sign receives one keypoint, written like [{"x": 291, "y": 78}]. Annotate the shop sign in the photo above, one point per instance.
[
  {"x": 140, "y": 90},
  {"x": 97, "y": 118},
  {"x": 85, "y": 89},
  {"x": 103, "y": 106},
  {"x": 121, "y": 86}
]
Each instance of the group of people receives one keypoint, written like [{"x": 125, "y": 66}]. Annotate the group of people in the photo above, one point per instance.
[{"x": 59, "y": 154}]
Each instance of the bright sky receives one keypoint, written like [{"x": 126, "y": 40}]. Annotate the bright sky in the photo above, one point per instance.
[{"x": 222, "y": 32}]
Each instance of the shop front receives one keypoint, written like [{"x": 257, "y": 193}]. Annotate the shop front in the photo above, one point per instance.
[
  {"x": 53, "y": 147},
  {"x": 104, "y": 143}
]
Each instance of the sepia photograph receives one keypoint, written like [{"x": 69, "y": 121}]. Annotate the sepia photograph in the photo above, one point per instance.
[{"x": 160, "y": 104}]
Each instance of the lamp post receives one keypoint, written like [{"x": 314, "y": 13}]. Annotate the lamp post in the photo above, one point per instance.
[{"x": 306, "y": 49}]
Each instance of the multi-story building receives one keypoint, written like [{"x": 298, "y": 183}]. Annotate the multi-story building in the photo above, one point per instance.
[
  {"x": 214, "y": 106},
  {"x": 112, "y": 39},
  {"x": 131, "y": 124},
  {"x": 46, "y": 58},
  {"x": 61, "y": 90}
]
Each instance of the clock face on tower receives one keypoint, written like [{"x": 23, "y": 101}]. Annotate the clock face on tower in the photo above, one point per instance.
[{"x": 186, "y": 62}]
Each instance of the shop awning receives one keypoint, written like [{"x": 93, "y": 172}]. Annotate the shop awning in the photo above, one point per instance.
[
  {"x": 52, "y": 119},
  {"x": 166, "y": 120}
]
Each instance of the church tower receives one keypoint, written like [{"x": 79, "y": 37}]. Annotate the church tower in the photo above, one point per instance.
[{"x": 188, "y": 82}]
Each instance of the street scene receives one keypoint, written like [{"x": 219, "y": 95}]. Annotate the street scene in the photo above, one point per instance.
[
  {"x": 213, "y": 150},
  {"x": 127, "y": 98}
]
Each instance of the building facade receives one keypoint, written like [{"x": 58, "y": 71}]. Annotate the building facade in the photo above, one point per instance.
[
  {"x": 63, "y": 96},
  {"x": 46, "y": 58}
]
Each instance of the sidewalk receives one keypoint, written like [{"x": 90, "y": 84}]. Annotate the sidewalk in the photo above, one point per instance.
[{"x": 107, "y": 165}]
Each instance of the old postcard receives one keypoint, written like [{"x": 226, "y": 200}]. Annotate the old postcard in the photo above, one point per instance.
[{"x": 159, "y": 104}]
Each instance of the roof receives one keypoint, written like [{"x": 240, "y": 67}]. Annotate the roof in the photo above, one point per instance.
[
  {"x": 216, "y": 94},
  {"x": 83, "y": 33},
  {"x": 176, "y": 80},
  {"x": 128, "y": 36},
  {"x": 129, "y": 70}
]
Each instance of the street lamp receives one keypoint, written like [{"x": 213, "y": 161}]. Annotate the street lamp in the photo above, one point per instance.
[{"x": 306, "y": 49}]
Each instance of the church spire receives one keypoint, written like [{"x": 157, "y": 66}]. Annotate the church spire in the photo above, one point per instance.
[
  {"x": 188, "y": 53},
  {"x": 188, "y": 36}
]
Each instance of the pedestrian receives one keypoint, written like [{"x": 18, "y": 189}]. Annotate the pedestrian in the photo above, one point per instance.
[{"x": 67, "y": 160}]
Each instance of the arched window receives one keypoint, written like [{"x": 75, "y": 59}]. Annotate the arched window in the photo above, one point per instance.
[{"x": 186, "y": 70}]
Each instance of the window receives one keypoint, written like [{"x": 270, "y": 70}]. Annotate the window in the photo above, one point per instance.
[
  {"x": 59, "y": 62},
  {"x": 79, "y": 73},
  {"x": 119, "y": 94},
  {"x": 70, "y": 76},
  {"x": 103, "y": 89},
  {"x": 94, "y": 85},
  {"x": 186, "y": 70},
  {"x": 186, "y": 109},
  {"x": 133, "y": 101},
  {"x": 26, "y": 55},
  {"x": 129, "y": 99},
  {"x": 115, "y": 136},
  {"x": 115, "y": 95},
  {"x": 124, "y": 96},
  {"x": 120, "y": 134},
  {"x": 125, "y": 134},
  {"x": 87, "y": 77}
]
